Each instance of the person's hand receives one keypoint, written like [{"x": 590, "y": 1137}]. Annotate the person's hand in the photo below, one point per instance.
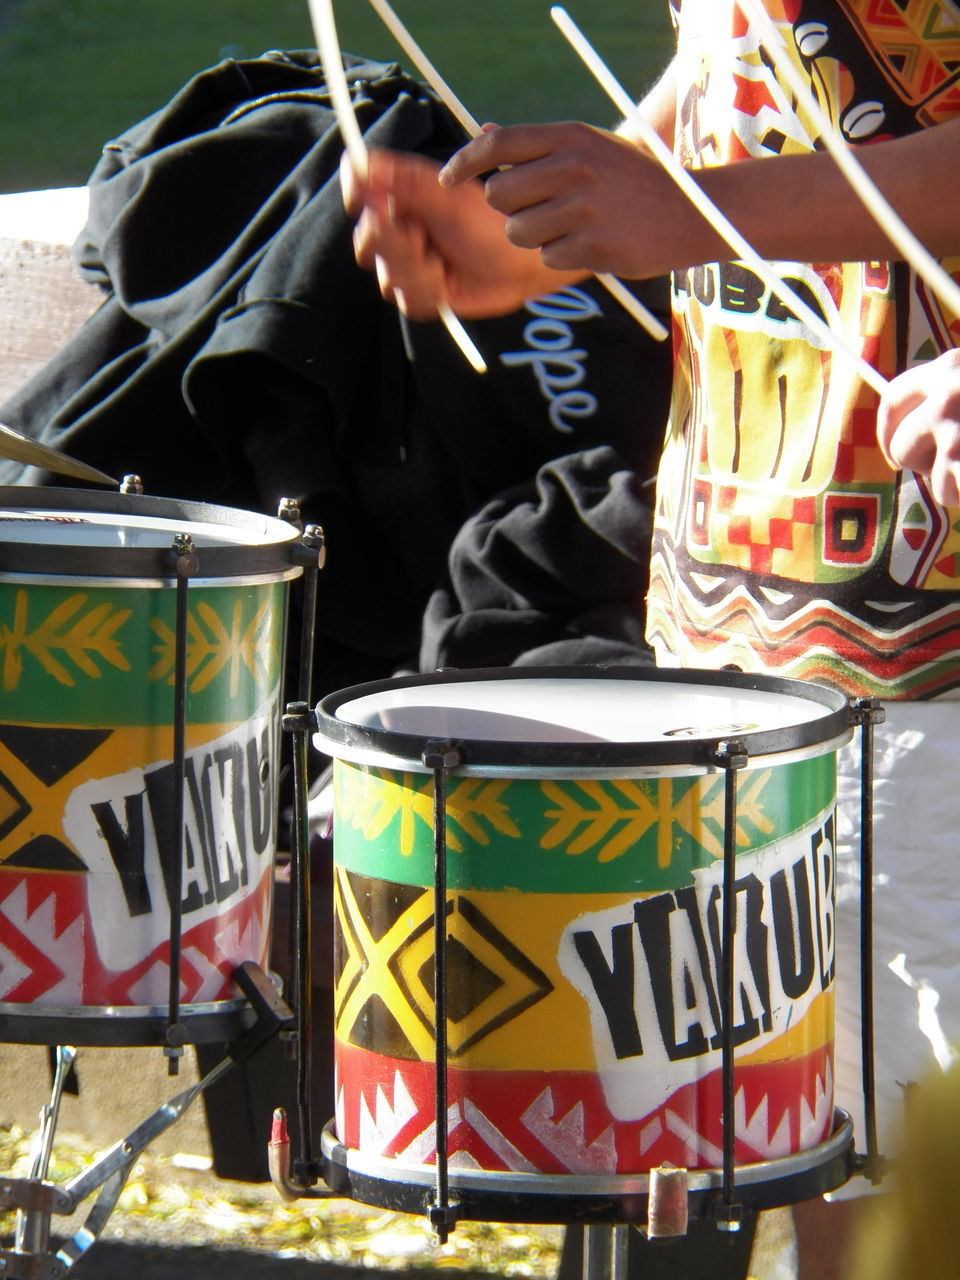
[
  {"x": 429, "y": 244},
  {"x": 918, "y": 424},
  {"x": 587, "y": 199}
]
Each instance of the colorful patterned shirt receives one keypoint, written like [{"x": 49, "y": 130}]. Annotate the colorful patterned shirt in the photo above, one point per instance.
[{"x": 783, "y": 541}]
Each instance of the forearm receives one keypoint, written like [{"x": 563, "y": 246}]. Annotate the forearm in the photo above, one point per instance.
[
  {"x": 658, "y": 108},
  {"x": 802, "y": 208}
]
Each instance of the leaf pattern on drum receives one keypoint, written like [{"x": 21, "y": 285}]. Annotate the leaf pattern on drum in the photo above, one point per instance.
[
  {"x": 215, "y": 646},
  {"x": 69, "y": 634},
  {"x": 369, "y": 801},
  {"x": 608, "y": 819}
]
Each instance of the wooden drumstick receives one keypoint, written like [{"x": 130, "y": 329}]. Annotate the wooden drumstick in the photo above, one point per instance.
[
  {"x": 875, "y": 202},
  {"x": 328, "y": 45},
  {"x": 22, "y": 449},
  {"x": 470, "y": 125},
  {"x": 720, "y": 223}
]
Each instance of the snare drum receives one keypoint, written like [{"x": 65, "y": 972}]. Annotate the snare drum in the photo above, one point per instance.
[
  {"x": 583, "y": 848},
  {"x": 88, "y": 656}
]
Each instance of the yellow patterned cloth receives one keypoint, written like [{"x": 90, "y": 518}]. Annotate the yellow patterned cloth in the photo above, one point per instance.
[{"x": 783, "y": 542}]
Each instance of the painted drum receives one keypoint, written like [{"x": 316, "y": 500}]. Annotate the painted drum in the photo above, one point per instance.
[
  {"x": 87, "y": 659},
  {"x": 584, "y": 842}
]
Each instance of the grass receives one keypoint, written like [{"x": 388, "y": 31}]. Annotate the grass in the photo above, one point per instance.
[{"x": 75, "y": 73}]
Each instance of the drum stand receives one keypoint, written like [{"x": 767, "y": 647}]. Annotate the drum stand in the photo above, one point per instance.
[
  {"x": 36, "y": 1199},
  {"x": 615, "y": 1210}
]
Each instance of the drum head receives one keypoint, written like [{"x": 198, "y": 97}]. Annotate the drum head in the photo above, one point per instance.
[
  {"x": 571, "y": 719},
  {"x": 74, "y": 532}
]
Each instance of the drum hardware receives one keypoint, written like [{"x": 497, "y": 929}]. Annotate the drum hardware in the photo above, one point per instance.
[
  {"x": 731, "y": 757},
  {"x": 298, "y": 723},
  {"x": 868, "y": 713},
  {"x": 301, "y": 1178},
  {"x": 605, "y": 1253},
  {"x": 32, "y": 1229},
  {"x": 440, "y": 757},
  {"x": 668, "y": 1207},
  {"x": 131, "y": 483},
  {"x": 185, "y": 563},
  {"x": 36, "y": 1199}
]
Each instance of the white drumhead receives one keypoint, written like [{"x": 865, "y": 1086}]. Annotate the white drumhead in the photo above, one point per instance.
[
  {"x": 50, "y": 527},
  {"x": 568, "y": 709}
]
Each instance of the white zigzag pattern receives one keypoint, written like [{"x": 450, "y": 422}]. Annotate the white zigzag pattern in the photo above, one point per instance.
[
  {"x": 755, "y": 1130},
  {"x": 497, "y": 1141},
  {"x": 211, "y": 978},
  {"x": 12, "y": 971},
  {"x": 814, "y": 1124},
  {"x": 378, "y": 1131},
  {"x": 564, "y": 1138},
  {"x": 64, "y": 951},
  {"x": 424, "y": 1145}
]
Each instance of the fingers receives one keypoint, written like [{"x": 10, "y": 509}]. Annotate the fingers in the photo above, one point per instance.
[
  {"x": 499, "y": 148},
  {"x": 388, "y": 242},
  {"x": 918, "y": 425},
  {"x": 408, "y": 271}
]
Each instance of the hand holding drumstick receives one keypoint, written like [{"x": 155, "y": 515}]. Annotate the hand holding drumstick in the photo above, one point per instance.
[
  {"x": 426, "y": 243},
  {"x": 918, "y": 424}
]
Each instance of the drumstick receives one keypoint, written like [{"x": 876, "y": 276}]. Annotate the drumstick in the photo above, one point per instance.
[
  {"x": 704, "y": 205},
  {"x": 432, "y": 76},
  {"x": 876, "y": 203},
  {"x": 22, "y": 449},
  {"x": 328, "y": 44}
]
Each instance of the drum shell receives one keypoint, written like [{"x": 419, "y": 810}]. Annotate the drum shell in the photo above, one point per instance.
[
  {"x": 86, "y": 751},
  {"x": 583, "y": 926}
]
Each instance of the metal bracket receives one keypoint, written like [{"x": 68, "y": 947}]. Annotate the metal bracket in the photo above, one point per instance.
[{"x": 109, "y": 1172}]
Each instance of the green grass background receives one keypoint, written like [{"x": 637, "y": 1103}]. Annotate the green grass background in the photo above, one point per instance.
[{"x": 74, "y": 73}]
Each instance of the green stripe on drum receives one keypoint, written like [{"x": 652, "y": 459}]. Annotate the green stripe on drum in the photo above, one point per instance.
[
  {"x": 563, "y": 836},
  {"x": 82, "y": 654}
]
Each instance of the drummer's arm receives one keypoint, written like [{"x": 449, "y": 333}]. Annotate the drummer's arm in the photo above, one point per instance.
[{"x": 658, "y": 107}]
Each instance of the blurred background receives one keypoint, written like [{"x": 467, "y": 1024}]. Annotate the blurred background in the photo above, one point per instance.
[{"x": 76, "y": 73}]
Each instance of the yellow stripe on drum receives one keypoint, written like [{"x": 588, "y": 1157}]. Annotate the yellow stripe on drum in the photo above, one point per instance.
[{"x": 573, "y": 981}]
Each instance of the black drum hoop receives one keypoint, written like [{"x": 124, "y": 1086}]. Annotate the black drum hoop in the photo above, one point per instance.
[
  {"x": 126, "y": 1026},
  {"x": 487, "y": 1195},
  {"x": 273, "y": 556},
  {"x": 702, "y": 753}
]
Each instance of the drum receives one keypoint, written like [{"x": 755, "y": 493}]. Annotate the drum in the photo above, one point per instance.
[
  {"x": 91, "y": 642},
  {"x": 584, "y": 825}
]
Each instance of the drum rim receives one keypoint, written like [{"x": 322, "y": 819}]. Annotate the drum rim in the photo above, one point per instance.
[
  {"x": 349, "y": 741},
  {"x": 755, "y": 1183},
  {"x": 272, "y": 555}
]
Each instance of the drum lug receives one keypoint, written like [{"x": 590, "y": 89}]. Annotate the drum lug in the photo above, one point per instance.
[
  {"x": 306, "y": 1181},
  {"x": 867, "y": 711},
  {"x": 311, "y": 550},
  {"x": 289, "y": 511},
  {"x": 728, "y": 1217},
  {"x": 299, "y": 718},
  {"x": 183, "y": 557},
  {"x": 443, "y": 1218},
  {"x": 667, "y": 1204}
]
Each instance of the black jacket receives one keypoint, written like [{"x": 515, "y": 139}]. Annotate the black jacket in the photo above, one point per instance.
[{"x": 241, "y": 356}]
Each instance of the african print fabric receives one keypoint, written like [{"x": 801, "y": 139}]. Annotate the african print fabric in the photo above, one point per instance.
[{"x": 783, "y": 541}]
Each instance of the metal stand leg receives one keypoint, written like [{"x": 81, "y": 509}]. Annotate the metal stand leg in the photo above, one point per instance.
[
  {"x": 605, "y": 1253},
  {"x": 36, "y": 1199}
]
